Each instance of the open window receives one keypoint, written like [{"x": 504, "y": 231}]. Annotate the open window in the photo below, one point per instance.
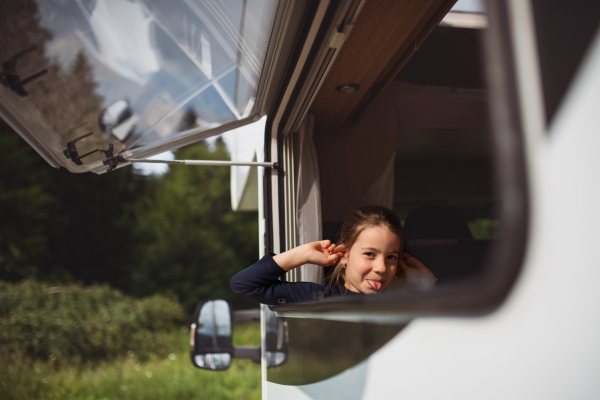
[
  {"x": 430, "y": 129},
  {"x": 141, "y": 77}
]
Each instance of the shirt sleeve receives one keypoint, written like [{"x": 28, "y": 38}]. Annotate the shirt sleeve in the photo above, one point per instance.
[{"x": 260, "y": 283}]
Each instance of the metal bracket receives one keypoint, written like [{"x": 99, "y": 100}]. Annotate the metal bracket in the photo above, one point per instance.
[
  {"x": 72, "y": 153},
  {"x": 10, "y": 78},
  {"x": 112, "y": 161},
  {"x": 250, "y": 352}
]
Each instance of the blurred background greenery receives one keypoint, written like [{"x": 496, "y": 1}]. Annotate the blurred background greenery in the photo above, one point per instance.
[{"x": 99, "y": 276}]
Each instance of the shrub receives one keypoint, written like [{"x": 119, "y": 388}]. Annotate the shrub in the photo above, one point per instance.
[{"x": 82, "y": 324}]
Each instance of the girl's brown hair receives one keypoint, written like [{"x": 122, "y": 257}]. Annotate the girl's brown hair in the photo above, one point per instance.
[{"x": 356, "y": 222}]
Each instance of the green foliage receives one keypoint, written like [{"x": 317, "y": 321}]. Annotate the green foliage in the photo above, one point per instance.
[
  {"x": 192, "y": 242},
  {"x": 59, "y": 226},
  {"x": 166, "y": 377},
  {"x": 96, "y": 233},
  {"x": 246, "y": 334},
  {"x": 55, "y": 225},
  {"x": 484, "y": 228},
  {"x": 26, "y": 207},
  {"x": 80, "y": 325},
  {"x": 140, "y": 234}
]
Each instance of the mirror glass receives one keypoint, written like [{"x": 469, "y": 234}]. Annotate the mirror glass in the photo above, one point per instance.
[
  {"x": 276, "y": 358},
  {"x": 213, "y": 331},
  {"x": 213, "y": 361},
  {"x": 212, "y": 337}
]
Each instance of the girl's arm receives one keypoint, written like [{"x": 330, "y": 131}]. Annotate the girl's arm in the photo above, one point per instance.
[
  {"x": 323, "y": 253},
  {"x": 260, "y": 282},
  {"x": 411, "y": 265}
]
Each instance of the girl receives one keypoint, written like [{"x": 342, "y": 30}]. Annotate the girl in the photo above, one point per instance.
[{"x": 368, "y": 259}]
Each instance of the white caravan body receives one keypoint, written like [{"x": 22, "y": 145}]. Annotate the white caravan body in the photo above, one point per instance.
[
  {"x": 539, "y": 340},
  {"x": 542, "y": 341}
]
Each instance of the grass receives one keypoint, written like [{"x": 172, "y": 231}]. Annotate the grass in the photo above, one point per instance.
[{"x": 170, "y": 377}]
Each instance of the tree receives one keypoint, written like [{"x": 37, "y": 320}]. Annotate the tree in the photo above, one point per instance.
[
  {"x": 62, "y": 226},
  {"x": 189, "y": 120},
  {"x": 59, "y": 99},
  {"x": 57, "y": 225},
  {"x": 193, "y": 242},
  {"x": 140, "y": 234},
  {"x": 26, "y": 206}
]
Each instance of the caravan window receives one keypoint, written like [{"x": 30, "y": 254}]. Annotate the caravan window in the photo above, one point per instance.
[{"x": 441, "y": 145}]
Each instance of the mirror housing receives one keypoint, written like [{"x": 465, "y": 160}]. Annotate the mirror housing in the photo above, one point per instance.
[{"x": 211, "y": 334}]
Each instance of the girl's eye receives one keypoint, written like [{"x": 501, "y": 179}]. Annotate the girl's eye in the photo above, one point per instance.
[
  {"x": 392, "y": 257},
  {"x": 369, "y": 254}
]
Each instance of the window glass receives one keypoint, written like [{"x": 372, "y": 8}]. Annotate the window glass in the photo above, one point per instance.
[{"x": 134, "y": 73}]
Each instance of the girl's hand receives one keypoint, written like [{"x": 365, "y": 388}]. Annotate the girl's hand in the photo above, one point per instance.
[
  {"x": 323, "y": 253},
  {"x": 410, "y": 265}
]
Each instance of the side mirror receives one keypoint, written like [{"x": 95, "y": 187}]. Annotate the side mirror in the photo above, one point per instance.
[{"x": 211, "y": 335}]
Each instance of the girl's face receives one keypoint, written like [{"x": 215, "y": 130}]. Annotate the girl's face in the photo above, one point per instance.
[{"x": 372, "y": 261}]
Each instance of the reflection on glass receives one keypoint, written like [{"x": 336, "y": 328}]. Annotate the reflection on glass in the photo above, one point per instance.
[
  {"x": 223, "y": 323},
  {"x": 213, "y": 331},
  {"x": 118, "y": 120},
  {"x": 166, "y": 60},
  {"x": 223, "y": 318},
  {"x": 205, "y": 319},
  {"x": 216, "y": 361},
  {"x": 276, "y": 358},
  {"x": 277, "y": 339}
]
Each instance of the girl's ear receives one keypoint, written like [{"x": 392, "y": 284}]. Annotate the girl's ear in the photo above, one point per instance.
[{"x": 344, "y": 259}]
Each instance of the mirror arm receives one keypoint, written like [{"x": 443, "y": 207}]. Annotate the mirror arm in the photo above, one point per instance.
[
  {"x": 250, "y": 352},
  {"x": 246, "y": 316}
]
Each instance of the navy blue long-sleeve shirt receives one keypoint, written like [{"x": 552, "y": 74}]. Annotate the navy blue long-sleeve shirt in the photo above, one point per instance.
[{"x": 260, "y": 282}]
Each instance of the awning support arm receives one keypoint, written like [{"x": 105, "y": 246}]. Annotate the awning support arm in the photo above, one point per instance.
[{"x": 208, "y": 162}]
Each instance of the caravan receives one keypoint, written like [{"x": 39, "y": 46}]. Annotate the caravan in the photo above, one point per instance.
[{"x": 477, "y": 122}]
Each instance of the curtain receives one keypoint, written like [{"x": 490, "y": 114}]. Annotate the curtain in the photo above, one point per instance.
[{"x": 308, "y": 196}]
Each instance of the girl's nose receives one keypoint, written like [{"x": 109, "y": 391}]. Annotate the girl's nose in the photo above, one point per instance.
[{"x": 379, "y": 266}]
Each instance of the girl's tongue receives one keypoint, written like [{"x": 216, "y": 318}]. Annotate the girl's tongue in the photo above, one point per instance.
[{"x": 374, "y": 284}]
